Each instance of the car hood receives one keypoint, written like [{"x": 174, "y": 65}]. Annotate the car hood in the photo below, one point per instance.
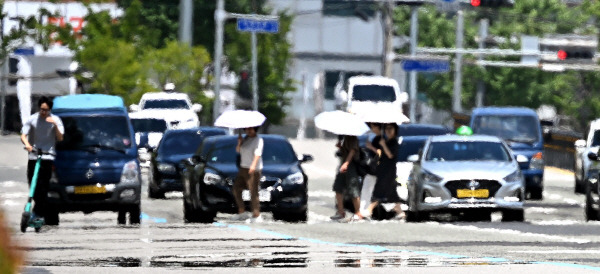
[
  {"x": 465, "y": 170},
  {"x": 276, "y": 170},
  {"x": 173, "y": 158}
]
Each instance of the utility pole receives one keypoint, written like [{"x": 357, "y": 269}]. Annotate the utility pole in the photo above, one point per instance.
[
  {"x": 414, "y": 25},
  {"x": 456, "y": 95},
  {"x": 220, "y": 16},
  {"x": 388, "y": 32},
  {"x": 3, "y": 81},
  {"x": 186, "y": 10},
  {"x": 483, "y": 32},
  {"x": 254, "y": 76}
]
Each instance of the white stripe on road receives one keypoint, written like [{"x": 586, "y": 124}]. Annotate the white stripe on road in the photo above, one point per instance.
[
  {"x": 518, "y": 233},
  {"x": 564, "y": 251},
  {"x": 320, "y": 172}
]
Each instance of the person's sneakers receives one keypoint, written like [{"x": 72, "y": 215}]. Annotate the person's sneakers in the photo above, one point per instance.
[
  {"x": 254, "y": 220},
  {"x": 241, "y": 216},
  {"x": 338, "y": 216},
  {"x": 356, "y": 218}
]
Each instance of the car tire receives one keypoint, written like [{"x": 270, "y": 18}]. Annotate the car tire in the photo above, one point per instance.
[
  {"x": 134, "y": 215},
  {"x": 536, "y": 193},
  {"x": 51, "y": 217},
  {"x": 513, "y": 215},
  {"x": 292, "y": 217},
  {"x": 122, "y": 217},
  {"x": 580, "y": 184},
  {"x": 591, "y": 214}
]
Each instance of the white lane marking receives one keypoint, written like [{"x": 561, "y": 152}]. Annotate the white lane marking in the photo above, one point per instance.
[
  {"x": 564, "y": 251},
  {"x": 312, "y": 169},
  {"x": 11, "y": 203},
  {"x": 518, "y": 233},
  {"x": 10, "y": 183},
  {"x": 544, "y": 210},
  {"x": 557, "y": 222},
  {"x": 12, "y": 167},
  {"x": 13, "y": 195},
  {"x": 321, "y": 193}
]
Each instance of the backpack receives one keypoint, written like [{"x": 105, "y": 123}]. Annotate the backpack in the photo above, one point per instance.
[{"x": 367, "y": 162}]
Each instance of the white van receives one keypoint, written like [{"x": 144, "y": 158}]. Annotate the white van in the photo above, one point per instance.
[{"x": 366, "y": 90}]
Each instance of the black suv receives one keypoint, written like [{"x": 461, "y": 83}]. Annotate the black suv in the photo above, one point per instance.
[
  {"x": 166, "y": 162},
  {"x": 208, "y": 179}
]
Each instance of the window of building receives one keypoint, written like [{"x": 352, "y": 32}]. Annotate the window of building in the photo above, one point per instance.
[{"x": 349, "y": 8}]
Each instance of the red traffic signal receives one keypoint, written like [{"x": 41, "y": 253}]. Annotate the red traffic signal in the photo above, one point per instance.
[
  {"x": 562, "y": 55},
  {"x": 492, "y": 3},
  {"x": 475, "y": 3},
  {"x": 574, "y": 54}
]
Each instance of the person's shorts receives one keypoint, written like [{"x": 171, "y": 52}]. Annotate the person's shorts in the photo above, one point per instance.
[{"x": 347, "y": 183}]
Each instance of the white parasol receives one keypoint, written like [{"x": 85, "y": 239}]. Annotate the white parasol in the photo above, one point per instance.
[
  {"x": 240, "y": 119},
  {"x": 381, "y": 113},
  {"x": 341, "y": 123}
]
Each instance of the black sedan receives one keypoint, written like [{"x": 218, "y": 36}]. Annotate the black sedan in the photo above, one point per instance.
[
  {"x": 165, "y": 162},
  {"x": 208, "y": 179}
]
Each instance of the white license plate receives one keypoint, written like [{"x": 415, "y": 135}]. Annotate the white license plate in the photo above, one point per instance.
[{"x": 263, "y": 195}]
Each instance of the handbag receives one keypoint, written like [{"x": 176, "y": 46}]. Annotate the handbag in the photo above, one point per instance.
[{"x": 367, "y": 162}]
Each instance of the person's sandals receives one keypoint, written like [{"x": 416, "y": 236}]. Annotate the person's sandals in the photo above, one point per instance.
[
  {"x": 338, "y": 216},
  {"x": 400, "y": 216}
]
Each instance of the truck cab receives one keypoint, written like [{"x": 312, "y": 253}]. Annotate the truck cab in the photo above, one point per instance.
[
  {"x": 520, "y": 128},
  {"x": 96, "y": 165},
  {"x": 363, "y": 91}
]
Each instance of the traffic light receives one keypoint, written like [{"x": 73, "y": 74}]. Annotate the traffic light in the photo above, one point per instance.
[
  {"x": 244, "y": 86},
  {"x": 492, "y": 3},
  {"x": 13, "y": 68},
  {"x": 575, "y": 53}
]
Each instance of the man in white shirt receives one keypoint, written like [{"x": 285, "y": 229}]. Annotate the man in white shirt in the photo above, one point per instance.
[
  {"x": 250, "y": 149},
  {"x": 42, "y": 131}
]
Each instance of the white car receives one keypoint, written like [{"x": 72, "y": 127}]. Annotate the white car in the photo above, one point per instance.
[
  {"x": 170, "y": 104},
  {"x": 583, "y": 164},
  {"x": 149, "y": 127},
  {"x": 363, "y": 91}
]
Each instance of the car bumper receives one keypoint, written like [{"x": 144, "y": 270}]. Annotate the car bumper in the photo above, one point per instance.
[
  {"x": 116, "y": 197},
  {"x": 169, "y": 184},
  {"x": 288, "y": 199}
]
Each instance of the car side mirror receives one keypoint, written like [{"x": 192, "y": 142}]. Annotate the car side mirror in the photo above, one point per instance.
[
  {"x": 592, "y": 156},
  {"x": 306, "y": 158},
  {"x": 134, "y": 108},
  {"x": 522, "y": 159},
  {"x": 413, "y": 158},
  {"x": 580, "y": 143},
  {"x": 197, "y": 107}
]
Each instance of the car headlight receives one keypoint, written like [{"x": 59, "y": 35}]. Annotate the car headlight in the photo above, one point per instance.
[
  {"x": 212, "y": 179},
  {"x": 537, "y": 161},
  {"x": 429, "y": 177},
  {"x": 513, "y": 177},
  {"x": 294, "y": 179},
  {"x": 166, "y": 168},
  {"x": 130, "y": 172}
]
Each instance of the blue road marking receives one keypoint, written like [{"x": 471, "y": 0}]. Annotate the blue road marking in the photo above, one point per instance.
[{"x": 145, "y": 216}]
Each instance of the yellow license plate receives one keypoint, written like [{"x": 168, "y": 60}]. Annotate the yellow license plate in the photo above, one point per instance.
[
  {"x": 472, "y": 193},
  {"x": 90, "y": 190}
]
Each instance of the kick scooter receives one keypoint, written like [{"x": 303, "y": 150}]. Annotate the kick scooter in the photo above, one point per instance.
[{"x": 27, "y": 219}]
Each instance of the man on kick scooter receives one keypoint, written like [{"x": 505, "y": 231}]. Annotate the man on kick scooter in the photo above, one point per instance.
[{"x": 41, "y": 131}]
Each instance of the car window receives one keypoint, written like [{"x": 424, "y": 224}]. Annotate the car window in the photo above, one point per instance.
[
  {"x": 373, "y": 93},
  {"x": 596, "y": 138},
  {"x": 409, "y": 147},
  {"x": 185, "y": 142},
  {"x": 524, "y": 129},
  {"x": 148, "y": 125},
  {"x": 166, "y": 104},
  {"x": 409, "y": 130},
  {"x": 85, "y": 131},
  {"x": 467, "y": 151},
  {"x": 274, "y": 152}
]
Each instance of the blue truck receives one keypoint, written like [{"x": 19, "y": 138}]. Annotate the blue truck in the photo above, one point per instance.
[
  {"x": 521, "y": 129},
  {"x": 96, "y": 166}
]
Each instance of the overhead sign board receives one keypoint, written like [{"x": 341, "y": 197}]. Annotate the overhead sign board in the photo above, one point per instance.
[
  {"x": 426, "y": 65},
  {"x": 257, "y": 25}
]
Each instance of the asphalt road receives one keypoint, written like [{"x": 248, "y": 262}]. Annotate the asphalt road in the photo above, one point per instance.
[{"x": 555, "y": 238}]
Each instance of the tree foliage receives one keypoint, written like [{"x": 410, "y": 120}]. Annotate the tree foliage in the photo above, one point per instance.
[{"x": 571, "y": 92}]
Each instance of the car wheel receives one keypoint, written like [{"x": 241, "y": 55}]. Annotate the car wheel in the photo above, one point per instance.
[
  {"x": 579, "y": 184},
  {"x": 51, "y": 217},
  {"x": 591, "y": 214},
  {"x": 513, "y": 215},
  {"x": 122, "y": 217},
  {"x": 134, "y": 215},
  {"x": 536, "y": 193}
]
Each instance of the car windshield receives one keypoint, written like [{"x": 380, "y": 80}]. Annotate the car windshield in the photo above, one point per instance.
[
  {"x": 523, "y": 129},
  {"x": 373, "y": 93},
  {"x": 415, "y": 130},
  {"x": 166, "y": 104},
  {"x": 409, "y": 147},
  {"x": 83, "y": 132},
  {"x": 184, "y": 142},
  {"x": 596, "y": 139},
  {"x": 467, "y": 151},
  {"x": 274, "y": 152},
  {"x": 148, "y": 125}
]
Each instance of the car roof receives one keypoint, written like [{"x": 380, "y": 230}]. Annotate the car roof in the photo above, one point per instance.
[
  {"x": 164, "y": 95},
  {"x": 504, "y": 111},
  {"x": 226, "y": 138},
  {"x": 371, "y": 80},
  {"x": 422, "y": 129},
  {"x": 463, "y": 138},
  {"x": 201, "y": 129},
  {"x": 87, "y": 102}
]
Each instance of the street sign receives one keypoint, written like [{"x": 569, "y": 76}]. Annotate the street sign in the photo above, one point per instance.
[
  {"x": 427, "y": 65},
  {"x": 257, "y": 25},
  {"x": 24, "y": 51}
]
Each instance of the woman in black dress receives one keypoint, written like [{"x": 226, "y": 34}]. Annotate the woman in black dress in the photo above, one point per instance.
[{"x": 385, "y": 186}]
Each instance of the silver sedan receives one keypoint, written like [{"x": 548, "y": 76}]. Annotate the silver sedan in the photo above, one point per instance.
[{"x": 466, "y": 175}]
